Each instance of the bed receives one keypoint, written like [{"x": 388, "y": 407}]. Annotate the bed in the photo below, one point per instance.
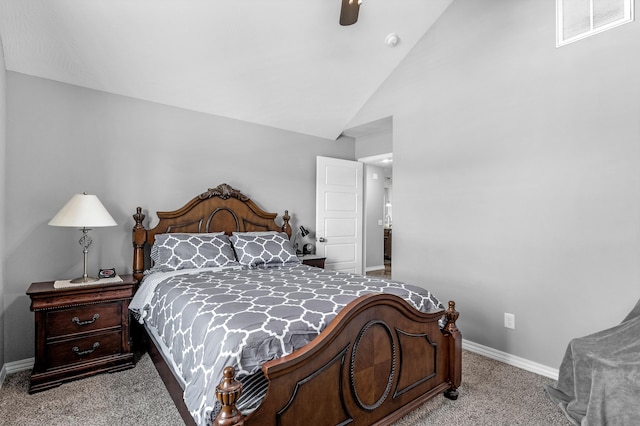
[{"x": 370, "y": 350}]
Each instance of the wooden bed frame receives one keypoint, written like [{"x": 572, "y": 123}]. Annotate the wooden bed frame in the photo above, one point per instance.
[{"x": 376, "y": 361}]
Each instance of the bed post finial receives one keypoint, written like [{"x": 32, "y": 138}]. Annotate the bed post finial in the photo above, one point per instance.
[
  {"x": 286, "y": 228},
  {"x": 228, "y": 392},
  {"x": 139, "y": 239},
  {"x": 452, "y": 316}
]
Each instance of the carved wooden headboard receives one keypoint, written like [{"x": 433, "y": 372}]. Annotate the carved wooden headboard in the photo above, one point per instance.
[{"x": 222, "y": 208}]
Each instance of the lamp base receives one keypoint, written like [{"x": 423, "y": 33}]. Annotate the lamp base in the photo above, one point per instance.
[{"x": 83, "y": 280}]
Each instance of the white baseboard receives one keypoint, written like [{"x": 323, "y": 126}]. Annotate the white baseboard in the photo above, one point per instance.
[
  {"x": 374, "y": 268},
  {"x": 23, "y": 364},
  {"x": 14, "y": 367},
  {"x": 513, "y": 360}
]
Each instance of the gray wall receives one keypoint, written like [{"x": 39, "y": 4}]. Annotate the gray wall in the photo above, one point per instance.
[
  {"x": 375, "y": 143},
  {"x": 373, "y": 212},
  {"x": 516, "y": 173},
  {"x": 3, "y": 163},
  {"x": 63, "y": 140}
]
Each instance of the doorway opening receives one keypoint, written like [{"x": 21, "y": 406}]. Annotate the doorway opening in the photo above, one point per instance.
[
  {"x": 374, "y": 148},
  {"x": 378, "y": 214}
]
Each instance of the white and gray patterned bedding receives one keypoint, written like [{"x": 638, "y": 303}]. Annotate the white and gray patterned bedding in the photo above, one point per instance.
[{"x": 244, "y": 317}]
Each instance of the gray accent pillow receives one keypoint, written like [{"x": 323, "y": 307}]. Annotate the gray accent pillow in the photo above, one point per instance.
[
  {"x": 171, "y": 252},
  {"x": 256, "y": 250},
  {"x": 154, "y": 248}
]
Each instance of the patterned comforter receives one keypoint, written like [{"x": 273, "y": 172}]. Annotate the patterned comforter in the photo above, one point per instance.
[{"x": 244, "y": 317}]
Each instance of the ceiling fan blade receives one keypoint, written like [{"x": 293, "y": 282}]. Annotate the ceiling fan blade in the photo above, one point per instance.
[{"x": 349, "y": 12}]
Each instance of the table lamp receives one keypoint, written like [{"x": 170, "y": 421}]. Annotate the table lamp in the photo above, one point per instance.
[
  {"x": 302, "y": 231},
  {"x": 302, "y": 242},
  {"x": 83, "y": 211}
]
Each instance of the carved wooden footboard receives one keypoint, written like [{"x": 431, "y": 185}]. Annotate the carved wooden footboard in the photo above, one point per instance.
[{"x": 378, "y": 360}]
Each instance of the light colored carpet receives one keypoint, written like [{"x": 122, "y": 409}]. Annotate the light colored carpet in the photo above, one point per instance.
[
  {"x": 132, "y": 397},
  {"x": 492, "y": 393}
]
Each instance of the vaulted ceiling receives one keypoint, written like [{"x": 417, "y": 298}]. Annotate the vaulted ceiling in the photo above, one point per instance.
[{"x": 280, "y": 63}]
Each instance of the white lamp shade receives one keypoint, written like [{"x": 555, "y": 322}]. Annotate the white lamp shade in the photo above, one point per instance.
[{"x": 83, "y": 211}]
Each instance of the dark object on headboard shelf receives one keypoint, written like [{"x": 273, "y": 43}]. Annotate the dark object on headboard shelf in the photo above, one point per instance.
[{"x": 224, "y": 207}]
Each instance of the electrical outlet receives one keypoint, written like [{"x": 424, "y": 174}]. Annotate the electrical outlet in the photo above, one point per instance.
[{"x": 509, "y": 320}]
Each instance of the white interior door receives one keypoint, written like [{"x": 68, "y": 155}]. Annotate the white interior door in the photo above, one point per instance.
[{"x": 339, "y": 213}]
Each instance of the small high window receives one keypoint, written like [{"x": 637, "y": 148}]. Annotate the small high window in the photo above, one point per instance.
[{"x": 577, "y": 19}]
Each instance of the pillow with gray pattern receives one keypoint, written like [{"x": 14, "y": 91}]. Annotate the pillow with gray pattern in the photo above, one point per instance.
[
  {"x": 259, "y": 250},
  {"x": 171, "y": 252},
  {"x": 154, "y": 247}
]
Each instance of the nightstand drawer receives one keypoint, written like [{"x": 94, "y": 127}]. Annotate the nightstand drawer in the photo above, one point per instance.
[
  {"x": 86, "y": 348},
  {"x": 83, "y": 319}
]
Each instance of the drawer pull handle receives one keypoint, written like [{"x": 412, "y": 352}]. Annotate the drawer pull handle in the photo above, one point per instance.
[
  {"x": 91, "y": 321},
  {"x": 87, "y": 352}
]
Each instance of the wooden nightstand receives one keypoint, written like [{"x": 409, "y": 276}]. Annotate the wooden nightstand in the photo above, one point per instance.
[
  {"x": 80, "y": 331},
  {"x": 313, "y": 260}
]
